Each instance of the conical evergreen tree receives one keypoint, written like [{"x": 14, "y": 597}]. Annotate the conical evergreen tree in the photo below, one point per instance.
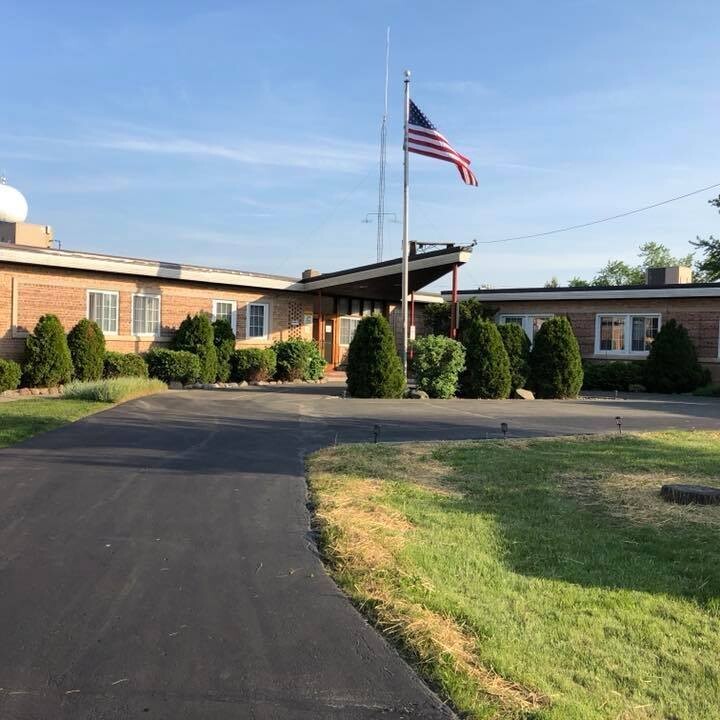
[
  {"x": 672, "y": 365},
  {"x": 47, "y": 356},
  {"x": 487, "y": 367},
  {"x": 87, "y": 349},
  {"x": 555, "y": 362},
  {"x": 196, "y": 335},
  {"x": 517, "y": 345},
  {"x": 374, "y": 369}
]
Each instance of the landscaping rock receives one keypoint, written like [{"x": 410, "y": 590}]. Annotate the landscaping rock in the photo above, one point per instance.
[
  {"x": 24, "y": 391},
  {"x": 175, "y": 385},
  {"x": 243, "y": 383},
  {"x": 687, "y": 494},
  {"x": 523, "y": 394},
  {"x": 417, "y": 395}
]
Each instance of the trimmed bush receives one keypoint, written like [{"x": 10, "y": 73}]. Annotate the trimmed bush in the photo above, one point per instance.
[
  {"x": 196, "y": 335},
  {"x": 613, "y": 375},
  {"x": 374, "y": 369},
  {"x": 10, "y": 374},
  {"x": 487, "y": 366},
  {"x": 124, "y": 365},
  {"x": 672, "y": 365},
  {"x": 555, "y": 362},
  {"x": 298, "y": 360},
  {"x": 224, "y": 339},
  {"x": 253, "y": 364},
  {"x": 47, "y": 356},
  {"x": 517, "y": 346},
  {"x": 437, "y": 362},
  {"x": 173, "y": 365},
  {"x": 87, "y": 350},
  {"x": 113, "y": 390}
]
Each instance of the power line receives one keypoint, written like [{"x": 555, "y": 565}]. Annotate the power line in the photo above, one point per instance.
[{"x": 597, "y": 222}]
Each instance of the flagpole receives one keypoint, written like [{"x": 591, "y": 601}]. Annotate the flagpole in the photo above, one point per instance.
[{"x": 406, "y": 236}]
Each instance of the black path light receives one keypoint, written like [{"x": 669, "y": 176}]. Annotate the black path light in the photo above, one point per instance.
[
  {"x": 376, "y": 432},
  {"x": 504, "y": 429},
  {"x": 619, "y": 421}
]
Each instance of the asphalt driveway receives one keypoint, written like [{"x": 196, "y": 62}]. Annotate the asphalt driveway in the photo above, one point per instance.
[{"x": 155, "y": 559}]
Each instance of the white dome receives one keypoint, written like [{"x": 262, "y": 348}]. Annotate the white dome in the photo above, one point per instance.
[{"x": 13, "y": 206}]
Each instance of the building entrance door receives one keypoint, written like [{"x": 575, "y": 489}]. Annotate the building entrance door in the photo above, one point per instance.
[{"x": 329, "y": 337}]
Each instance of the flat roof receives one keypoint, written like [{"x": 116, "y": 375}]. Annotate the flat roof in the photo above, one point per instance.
[
  {"x": 376, "y": 280},
  {"x": 594, "y": 292}
]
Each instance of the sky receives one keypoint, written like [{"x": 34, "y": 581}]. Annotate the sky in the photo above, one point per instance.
[{"x": 245, "y": 134}]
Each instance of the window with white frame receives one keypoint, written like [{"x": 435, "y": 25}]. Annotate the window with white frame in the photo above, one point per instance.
[
  {"x": 348, "y": 326},
  {"x": 529, "y": 323},
  {"x": 146, "y": 315},
  {"x": 226, "y": 310},
  {"x": 625, "y": 333},
  {"x": 257, "y": 320},
  {"x": 102, "y": 308}
]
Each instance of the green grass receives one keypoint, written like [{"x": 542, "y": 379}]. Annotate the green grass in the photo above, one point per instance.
[
  {"x": 113, "y": 390},
  {"x": 20, "y": 419},
  {"x": 536, "y": 579}
]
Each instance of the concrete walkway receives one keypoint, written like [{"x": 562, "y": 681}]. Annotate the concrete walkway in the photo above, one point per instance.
[{"x": 155, "y": 559}]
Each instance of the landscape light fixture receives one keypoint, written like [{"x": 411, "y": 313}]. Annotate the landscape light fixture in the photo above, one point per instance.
[
  {"x": 504, "y": 429},
  {"x": 376, "y": 432},
  {"x": 619, "y": 420}
]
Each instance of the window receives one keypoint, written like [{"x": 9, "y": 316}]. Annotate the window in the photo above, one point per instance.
[
  {"x": 343, "y": 306},
  {"x": 625, "y": 334},
  {"x": 348, "y": 326},
  {"x": 529, "y": 323},
  {"x": 355, "y": 306},
  {"x": 226, "y": 310},
  {"x": 146, "y": 315},
  {"x": 257, "y": 320},
  {"x": 102, "y": 308}
]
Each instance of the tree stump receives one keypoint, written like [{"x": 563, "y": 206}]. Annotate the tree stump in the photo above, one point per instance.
[{"x": 686, "y": 494}]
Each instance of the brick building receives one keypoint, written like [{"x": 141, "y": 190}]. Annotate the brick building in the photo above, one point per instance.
[
  {"x": 619, "y": 323},
  {"x": 139, "y": 303}
]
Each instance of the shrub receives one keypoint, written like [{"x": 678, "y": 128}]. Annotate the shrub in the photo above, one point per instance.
[
  {"x": 711, "y": 390},
  {"x": 672, "y": 365},
  {"x": 113, "y": 390},
  {"x": 613, "y": 375},
  {"x": 10, "y": 374},
  {"x": 196, "y": 335},
  {"x": 517, "y": 346},
  {"x": 555, "y": 362},
  {"x": 87, "y": 350},
  {"x": 487, "y": 366},
  {"x": 173, "y": 365},
  {"x": 224, "y": 339},
  {"x": 374, "y": 369},
  {"x": 298, "y": 360},
  {"x": 124, "y": 365},
  {"x": 437, "y": 362},
  {"x": 47, "y": 356},
  {"x": 253, "y": 364}
]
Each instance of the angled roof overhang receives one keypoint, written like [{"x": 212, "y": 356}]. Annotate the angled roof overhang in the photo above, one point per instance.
[{"x": 382, "y": 281}]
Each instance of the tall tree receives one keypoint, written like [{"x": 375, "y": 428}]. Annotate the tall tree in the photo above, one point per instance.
[
  {"x": 708, "y": 267},
  {"x": 651, "y": 254},
  {"x": 578, "y": 282},
  {"x": 552, "y": 282}
]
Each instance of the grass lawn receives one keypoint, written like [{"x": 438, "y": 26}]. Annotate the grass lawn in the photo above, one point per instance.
[
  {"x": 20, "y": 419},
  {"x": 540, "y": 579}
]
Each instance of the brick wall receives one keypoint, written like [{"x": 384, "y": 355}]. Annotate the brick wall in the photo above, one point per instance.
[
  {"x": 27, "y": 292},
  {"x": 701, "y": 317}
]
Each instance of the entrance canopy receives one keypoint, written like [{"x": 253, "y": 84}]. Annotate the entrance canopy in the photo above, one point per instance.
[{"x": 382, "y": 281}]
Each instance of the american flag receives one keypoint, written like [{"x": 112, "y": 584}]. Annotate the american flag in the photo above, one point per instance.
[{"x": 424, "y": 139}]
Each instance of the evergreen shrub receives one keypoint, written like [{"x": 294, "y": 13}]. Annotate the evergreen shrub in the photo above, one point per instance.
[
  {"x": 374, "y": 369},
  {"x": 173, "y": 365},
  {"x": 555, "y": 362},
  {"x": 487, "y": 366},
  {"x": 196, "y": 335},
  {"x": 253, "y": 364},
  {"x": 517, "y": 346},
  {"x": 47, "y": 356},
  {"x": 87, "y": 350}
]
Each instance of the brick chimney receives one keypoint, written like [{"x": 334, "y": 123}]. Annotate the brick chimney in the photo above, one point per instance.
[{"x": 310, "y": 273}]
